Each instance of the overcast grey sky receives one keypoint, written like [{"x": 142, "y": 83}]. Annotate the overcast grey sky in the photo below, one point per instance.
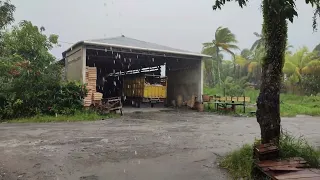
[{"x": 183, "y": 24}]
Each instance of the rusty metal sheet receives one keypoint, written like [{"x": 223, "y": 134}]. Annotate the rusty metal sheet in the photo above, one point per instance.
[
  {"x": 310, "y": 178},
  {"x": 295, "y": 167},
  {"x": 270, "y": 163},
  {"x": 265, "y": 145},
  {"x": 267, "y": 149},
  {"x": 284, "y": 168},
  {"x": 305, "y": 173},
  {"x": 292, "y": 169},
  {"x": 315, "y": 170}
]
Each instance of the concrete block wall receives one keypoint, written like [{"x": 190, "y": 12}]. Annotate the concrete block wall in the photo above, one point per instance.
[{"x": 185, "y": 82}]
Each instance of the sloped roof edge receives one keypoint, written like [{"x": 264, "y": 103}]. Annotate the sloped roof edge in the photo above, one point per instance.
[{"x": 133, "y": 47}]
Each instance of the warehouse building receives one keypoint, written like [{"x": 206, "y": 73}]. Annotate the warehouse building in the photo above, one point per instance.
[{"x": 123, "y": 56}]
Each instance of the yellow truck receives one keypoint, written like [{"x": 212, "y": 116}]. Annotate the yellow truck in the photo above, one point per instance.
[{"x": 145, "y": 88}]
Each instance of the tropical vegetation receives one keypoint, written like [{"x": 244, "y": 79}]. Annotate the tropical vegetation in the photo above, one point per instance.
[
  {"x": 30, "y": 78},
  {"x": 276, "y": 13}
]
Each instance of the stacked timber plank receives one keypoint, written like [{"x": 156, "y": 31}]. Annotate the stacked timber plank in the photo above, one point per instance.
[
  {"x": 91, "y": 80},
  {"x": 97, "y": 96}
]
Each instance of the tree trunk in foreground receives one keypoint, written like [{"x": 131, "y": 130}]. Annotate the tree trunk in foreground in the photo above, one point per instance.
[{"x": 268, "y": 102}]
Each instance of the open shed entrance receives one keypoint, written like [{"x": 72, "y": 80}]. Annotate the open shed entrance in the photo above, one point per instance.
[{"x": 184, "y": 73}]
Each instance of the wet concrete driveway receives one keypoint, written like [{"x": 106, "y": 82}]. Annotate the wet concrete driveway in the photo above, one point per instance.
[{"x": 143, "y": 146}]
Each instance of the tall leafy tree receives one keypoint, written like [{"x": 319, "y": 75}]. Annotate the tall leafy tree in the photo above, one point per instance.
[
  {"x": 27, "y": 69},
  {"x": 6, "y": 18},
  {"x": 275, "y": 31},
  {"x": 27, "y": 41},
  {"x": 6, "y": 13},
  {"x": 224, "y": 41}
]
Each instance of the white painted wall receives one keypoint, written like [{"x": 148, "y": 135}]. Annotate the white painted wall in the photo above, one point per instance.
[{"x": 75, "y": 64}]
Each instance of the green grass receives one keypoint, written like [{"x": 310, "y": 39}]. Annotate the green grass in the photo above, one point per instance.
[
  {"x": 291, "y": 146},
  {"x": 239, "y": 162},
  {"x": 291, "y": 105},
  {"x": 79, "y": 116}
]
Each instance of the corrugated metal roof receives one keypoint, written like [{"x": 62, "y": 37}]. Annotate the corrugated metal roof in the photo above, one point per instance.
[
  {"x": 126, "y": 42},
  {"x": 130, "y": 43}
]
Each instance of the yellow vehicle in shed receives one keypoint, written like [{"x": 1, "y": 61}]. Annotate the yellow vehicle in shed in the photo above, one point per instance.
[{"x": 145, "y": 89}]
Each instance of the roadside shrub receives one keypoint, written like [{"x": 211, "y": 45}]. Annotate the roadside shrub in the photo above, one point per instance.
[
  {"x": 65, "y": 99},
  {"x": 29, "y": 89},
  {"x": 311, "y": 84}
]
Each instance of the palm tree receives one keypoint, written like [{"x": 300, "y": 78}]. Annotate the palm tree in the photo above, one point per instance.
[
  {"x": 298, "y": 65},
  {"x": 256, "y": 64},
  {"x": 295, "y": 63},
  {"x": 224, "y": 41},
  {"x": 259, "y": 42},
  {"x": 247, "y": 54},
  {"x": 301, "y": 62},
  {"x": 210, "y": 66},
  {"x": 226, "y": 69},
  {"x": 241, "y": 63}
]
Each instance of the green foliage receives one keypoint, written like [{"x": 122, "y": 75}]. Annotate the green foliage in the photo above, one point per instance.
[
  {"x": 22, "y": 99},
  {"x": 28, "y": 42},
  {"x": 302, "y": 70},
  {"x": 291, "y": 146},
  {"x": 240, "y": 162},
  {"x": 311, "y": 84},
  {"x": 30, "y": 79},
  {"x": 77, "y": 116},
  {"x": 285, "y": 9},
  {"x": 224, "y": 41},
  {"x": 232, "y": 88},
  {"x": 293, "y": 105},
  {"x": 258, "y": 43}
]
